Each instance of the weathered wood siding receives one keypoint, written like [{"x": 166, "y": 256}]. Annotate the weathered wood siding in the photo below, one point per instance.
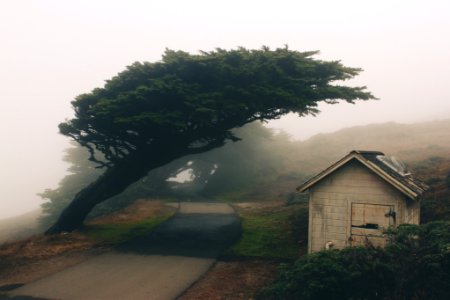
[
  {"x": 331, "y": 201},
  {"x": 412, "y": 212}
]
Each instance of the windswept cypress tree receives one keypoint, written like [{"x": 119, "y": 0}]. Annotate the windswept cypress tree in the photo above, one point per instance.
[{"x": 153, "y": 113}]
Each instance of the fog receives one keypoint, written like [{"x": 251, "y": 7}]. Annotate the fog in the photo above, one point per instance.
[{"x": 52, "y": 51}]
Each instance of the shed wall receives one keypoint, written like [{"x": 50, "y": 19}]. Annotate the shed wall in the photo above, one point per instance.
[
  {"x": 412, "y": 212},
  {"x": 331, "y": 201}
]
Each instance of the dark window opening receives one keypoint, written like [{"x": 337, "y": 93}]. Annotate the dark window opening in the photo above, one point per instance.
[{"x": 367, "y": 226}]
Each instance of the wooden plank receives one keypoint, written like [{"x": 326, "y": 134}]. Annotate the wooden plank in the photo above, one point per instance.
[
  {"x": 336, "y": 222},
  {"x": 365, "y": 231},
  {"x": 336, "y": 229},
  {"x": 335, "y": 216},
  {"x": 328, "y": 222},
  {"x": 317, "y": 247},
  {"x": 380, "y": 219},
  {"x": 373, "y": 199},
  {"x": 335, "y": 236},
  {"x": 335, "y": 209},
  {"x": 317, "y": 215},
  {"x": 331, "y": 202},
  {"x": 317, "y": 221},
  {"x": 355, "y": 190},
  {"x": 386, "y": 191},
  {"x": 358, "y": 182},
  {"x": 368, "y": 240},
  {"x": 363, "y": 213}
]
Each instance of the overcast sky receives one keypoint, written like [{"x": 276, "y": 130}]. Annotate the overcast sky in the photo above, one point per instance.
[{"x": 52, "y": 51}]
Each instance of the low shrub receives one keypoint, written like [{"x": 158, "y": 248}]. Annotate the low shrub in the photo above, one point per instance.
[{"x": 414, "y": 265}]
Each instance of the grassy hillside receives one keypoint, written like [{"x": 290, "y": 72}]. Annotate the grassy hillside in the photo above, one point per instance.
[
  {"x": 435, "y": 171},
  {"x": 414, "y": 144},
  {"x": 409, "y": 142}
]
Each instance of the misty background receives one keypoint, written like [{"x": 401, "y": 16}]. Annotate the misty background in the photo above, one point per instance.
[{"x": 52, "y": 51}]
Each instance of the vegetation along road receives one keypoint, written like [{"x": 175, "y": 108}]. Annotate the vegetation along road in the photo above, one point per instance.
[{"x": 159, "y": 265}]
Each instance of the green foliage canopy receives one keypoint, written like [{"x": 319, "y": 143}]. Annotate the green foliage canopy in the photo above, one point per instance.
[{"x": 196, "y": 100}]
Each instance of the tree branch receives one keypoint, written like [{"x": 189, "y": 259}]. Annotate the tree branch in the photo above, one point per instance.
[{"x": 212, "y": 145}]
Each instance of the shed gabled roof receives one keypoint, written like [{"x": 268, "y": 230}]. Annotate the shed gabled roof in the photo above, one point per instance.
[{"x": 380, "y": 164}]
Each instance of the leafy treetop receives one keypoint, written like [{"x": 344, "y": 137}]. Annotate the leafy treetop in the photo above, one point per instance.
[{"x": 193, "y": 101}]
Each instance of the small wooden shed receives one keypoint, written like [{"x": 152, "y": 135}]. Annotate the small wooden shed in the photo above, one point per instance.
[{"x": 354, "y": 200}]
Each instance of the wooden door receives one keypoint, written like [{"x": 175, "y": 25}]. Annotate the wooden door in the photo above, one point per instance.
[{"x": 368, "y": 221}]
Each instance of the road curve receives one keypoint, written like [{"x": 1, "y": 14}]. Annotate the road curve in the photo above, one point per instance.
[{"x": 159, "y": 265}]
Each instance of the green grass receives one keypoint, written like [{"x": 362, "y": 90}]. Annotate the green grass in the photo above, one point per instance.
[
  {"x": 237, "y": 194},
  {"x": 271, "y": 234},
  {"x": 113, "y": 234}
]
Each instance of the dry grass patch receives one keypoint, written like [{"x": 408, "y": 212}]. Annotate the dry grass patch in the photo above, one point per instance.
[
  {"x": 140, "y": 210},
  {"x": 233, "y": 280},
  {"x": 33, "y": 258},
  {"x": 36, "y": 257}
]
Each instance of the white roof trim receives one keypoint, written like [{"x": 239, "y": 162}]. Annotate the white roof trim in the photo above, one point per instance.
[{"x": 377, "y": 170}]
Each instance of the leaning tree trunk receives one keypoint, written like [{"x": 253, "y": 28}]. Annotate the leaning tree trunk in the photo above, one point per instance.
[{"x": 114, "y": 181}]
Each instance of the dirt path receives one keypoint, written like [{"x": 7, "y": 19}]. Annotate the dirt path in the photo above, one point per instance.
[{"x": 160, "y": 265}]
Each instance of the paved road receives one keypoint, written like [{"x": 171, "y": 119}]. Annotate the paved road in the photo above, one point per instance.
[{"x": 159, "y": 265}]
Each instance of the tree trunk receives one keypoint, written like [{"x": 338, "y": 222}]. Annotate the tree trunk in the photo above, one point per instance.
[{"x": 114, "y": 181}]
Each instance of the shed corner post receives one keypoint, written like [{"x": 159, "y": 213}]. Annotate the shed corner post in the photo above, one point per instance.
[{"x": 310, "y": 222}]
